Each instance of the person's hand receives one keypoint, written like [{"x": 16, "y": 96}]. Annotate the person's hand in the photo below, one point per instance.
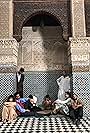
[
  {"x": 53, "y": 103},
  {"x": 32, "y": 101},
  {"x": 80, "y": 105}
]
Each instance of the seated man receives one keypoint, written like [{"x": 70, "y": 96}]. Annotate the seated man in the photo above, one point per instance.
[
  {"x": 62, "y": 106},
  {"x": 76, "y": 110},
  {"x": 47, "y": 103},
  {"x": 20, "y": 106},
  {"x": 31, "y": 104},
  {"x": 9, "y": 110}
]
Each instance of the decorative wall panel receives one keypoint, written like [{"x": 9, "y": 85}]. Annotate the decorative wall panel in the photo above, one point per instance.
[
  {"x": 4, "y": 19},
  {"x": 42, "y": 50},
  {"x": 81, "y": 87},
  {"x": 8, "y": 54},
  {"x": 78, "y": 18},
  {"x": 80, "y": 53},
  {"x": 41, "y": 83}
]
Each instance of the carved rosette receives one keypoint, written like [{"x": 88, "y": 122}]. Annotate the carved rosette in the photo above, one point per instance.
[
  {"x": 80, "y": 53},
  {"x": 8, "y": 55}
]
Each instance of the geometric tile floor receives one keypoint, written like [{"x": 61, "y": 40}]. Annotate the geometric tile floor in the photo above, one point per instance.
[{"x": 56, "y": 124}]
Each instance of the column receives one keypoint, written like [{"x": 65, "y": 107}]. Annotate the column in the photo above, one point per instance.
[
  {"x": 80, "y": 57},
  {"x": 78, "y": 18},
  {"x": 8, "y": 51},
  {"x": 6, "y": 18},
  {"x": 10, "y": 18},
  {"x": 8, "y": 45}
]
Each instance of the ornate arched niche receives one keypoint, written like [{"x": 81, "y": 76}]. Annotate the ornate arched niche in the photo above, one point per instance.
[
  {"x": 27, "y": 8},
  {"x": 42, "y": 46}
]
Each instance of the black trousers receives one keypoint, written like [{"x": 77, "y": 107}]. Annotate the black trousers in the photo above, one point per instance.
[
  {"x": 35, "y": 109},
  {"x": 27, "y": 114},
  {"x": 76, "y": 113}
]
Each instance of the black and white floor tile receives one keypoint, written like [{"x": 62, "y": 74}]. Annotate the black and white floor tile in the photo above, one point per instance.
[{"x": 57, "y": 124}]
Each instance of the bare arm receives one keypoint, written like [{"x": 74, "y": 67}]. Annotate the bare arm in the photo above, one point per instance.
[{"x": 62, "y": 102}]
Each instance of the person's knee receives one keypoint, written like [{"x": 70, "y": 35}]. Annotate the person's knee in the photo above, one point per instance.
[{"x": 80, "y": 113}]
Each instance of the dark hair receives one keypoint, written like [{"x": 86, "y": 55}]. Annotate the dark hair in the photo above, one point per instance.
[
  {"x": 21, "y": 69},
  {"x": 47, "y": 96},
  {"x": 74, "y": 97},
  {"x": 65, "y": 74},
  {"x": 16, "y": 94},
  {"x": 69, "y": 93},
  {"x": 11, "y": 96},
  {"x": 30, "y": 96}
]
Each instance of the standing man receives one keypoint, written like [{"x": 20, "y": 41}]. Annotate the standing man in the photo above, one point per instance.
[
  {"x": 19, "y": 81},
  {"x": 60, "y": 82},
  {"x": 64, "y": 86}
]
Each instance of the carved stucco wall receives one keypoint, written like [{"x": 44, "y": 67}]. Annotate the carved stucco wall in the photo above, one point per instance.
[
  {"x": 78, "y": 18},
  {"x": 80, "y": 54},
  {"x": 25, "y": 10},
  {"x": 8, "y": 55},
  {"x": 4, "y": 19},
  {"x": 44, "y": 49}
]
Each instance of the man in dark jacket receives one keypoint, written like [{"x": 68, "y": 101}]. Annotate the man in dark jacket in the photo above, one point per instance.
[{"x": 19, "y": 81}]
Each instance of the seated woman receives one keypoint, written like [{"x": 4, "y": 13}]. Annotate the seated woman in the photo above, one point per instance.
[
  {"x": 47, "y": 103},
  {"x": 76, "y": 110},
  {"x": 62, "y": 106},
  {"x": 9, "y": 110}
]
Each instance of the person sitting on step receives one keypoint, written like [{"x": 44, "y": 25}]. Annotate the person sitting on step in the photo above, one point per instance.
[
  {"x": 76, "y": 110},
  {"x": 20, "y": 107},
  {"x": 9, "y": 110},
  {"x": 62, "y": 106},
  {"x": 47, "y": 103}
]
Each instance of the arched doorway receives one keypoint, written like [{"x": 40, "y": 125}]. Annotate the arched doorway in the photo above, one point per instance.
[{"x": 43, "y": 53}]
